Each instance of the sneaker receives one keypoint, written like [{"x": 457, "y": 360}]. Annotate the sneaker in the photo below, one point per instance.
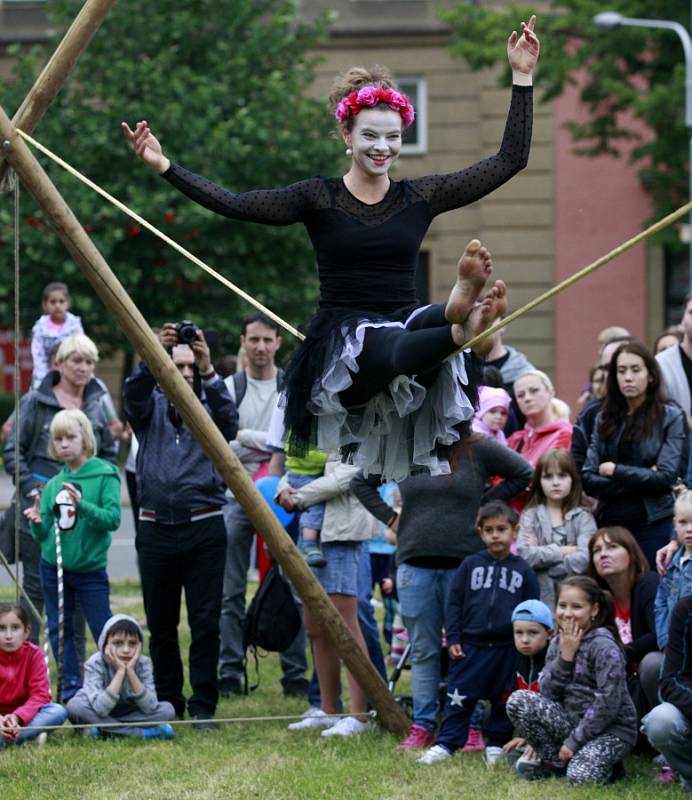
[
  {"x": 41, "y": 739},
  {"x": 474, "y": 742},
  {"x": 347, "y": 726},
  {"x": 313, "y": 718},
  {"x": 434, "y": 754},
  {"x": 527, "y": 764},
  {"x": 94, "y": 732},
  {"x": 492, "y": 755},
  {"x": 162, "y": 731},
  {"x": 314, "y": 557},
  {"x": 204, "y": 722},
  {"x": 666, "y": 774},
  {"x": 418, "y": 737}
]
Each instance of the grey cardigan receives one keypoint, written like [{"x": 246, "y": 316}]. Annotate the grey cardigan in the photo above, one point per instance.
[
  {"x": 548, "y": 563},
  {"x": 592, "y": 689}
]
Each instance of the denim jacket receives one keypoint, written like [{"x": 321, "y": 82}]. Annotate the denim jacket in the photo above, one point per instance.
[{"x": 676, "y": 584}]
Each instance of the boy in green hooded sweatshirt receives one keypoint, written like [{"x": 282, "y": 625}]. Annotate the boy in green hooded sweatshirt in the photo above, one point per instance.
[{"x": 82, "y": 502}]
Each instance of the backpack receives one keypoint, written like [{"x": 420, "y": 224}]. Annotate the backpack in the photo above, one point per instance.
[
  {"x": 272, "y": 620},
  {"x": 240, "y": 384}
]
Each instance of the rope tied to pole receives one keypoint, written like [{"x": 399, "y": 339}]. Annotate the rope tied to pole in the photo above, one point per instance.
[{"x": 179, "y": 248}]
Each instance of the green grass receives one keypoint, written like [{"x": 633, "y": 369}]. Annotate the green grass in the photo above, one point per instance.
[{"x": 262, "y": 760}]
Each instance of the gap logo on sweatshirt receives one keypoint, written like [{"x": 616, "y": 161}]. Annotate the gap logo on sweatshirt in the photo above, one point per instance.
[{"x": 482, "y": 577}]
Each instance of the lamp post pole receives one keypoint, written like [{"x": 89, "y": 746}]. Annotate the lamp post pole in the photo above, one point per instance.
[{"x": 611, "y": 19}]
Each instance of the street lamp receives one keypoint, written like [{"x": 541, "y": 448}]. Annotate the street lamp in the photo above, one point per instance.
[{"x": 611, "y": 19}]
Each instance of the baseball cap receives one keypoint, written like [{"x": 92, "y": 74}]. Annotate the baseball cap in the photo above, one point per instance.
[{"x": 533, "y": 611}]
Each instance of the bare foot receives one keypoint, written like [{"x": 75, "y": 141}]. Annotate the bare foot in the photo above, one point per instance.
[
  {"x": 473, "y": 270},
  {"x": 491, "y": 307}
]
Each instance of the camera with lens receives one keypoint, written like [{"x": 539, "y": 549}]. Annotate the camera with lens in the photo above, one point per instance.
[{"x": 186, "y": 331}]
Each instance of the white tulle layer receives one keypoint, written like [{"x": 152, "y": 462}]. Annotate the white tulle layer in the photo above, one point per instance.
[{"x": 394, "y": 431}]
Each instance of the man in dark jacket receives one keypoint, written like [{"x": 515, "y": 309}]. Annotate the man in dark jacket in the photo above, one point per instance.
[{"x": 181, "y": 537}]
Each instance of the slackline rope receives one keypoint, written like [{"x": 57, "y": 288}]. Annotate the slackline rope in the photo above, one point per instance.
[
  {"x": 285, "y": 325},
  {"x": 582, "y": 273},
  {"x": 151, "y": 723}
]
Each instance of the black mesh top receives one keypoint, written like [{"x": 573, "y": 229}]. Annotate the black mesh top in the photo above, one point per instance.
[{"x": 367, "y": 254}]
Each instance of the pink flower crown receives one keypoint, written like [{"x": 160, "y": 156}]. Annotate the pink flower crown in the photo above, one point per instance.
[{"x": 370, "y": 96}]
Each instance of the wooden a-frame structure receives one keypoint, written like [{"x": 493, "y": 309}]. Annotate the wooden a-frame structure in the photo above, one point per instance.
[{"x": 17, "y": 154}]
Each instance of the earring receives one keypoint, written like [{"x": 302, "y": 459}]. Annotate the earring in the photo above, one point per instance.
[{"x": 349, "y": 152}]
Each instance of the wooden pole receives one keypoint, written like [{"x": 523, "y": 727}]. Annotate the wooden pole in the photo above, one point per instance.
[
  {"x": 57, "y": 70},
  {"x": 135, "y": 327}
]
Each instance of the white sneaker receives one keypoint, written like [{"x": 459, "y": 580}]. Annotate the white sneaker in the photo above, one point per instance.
[
  {"x": 347, "y": 726},
  {"x": 492, "y": 755},
  {"x": 41, "y": 739},
  {"x": 313, "y": 718},
  {"x": 527, "y": 764},
  {"x": 434, "y": 754}
]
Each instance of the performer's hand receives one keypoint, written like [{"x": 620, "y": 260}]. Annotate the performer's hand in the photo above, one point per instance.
[
  {"x": 146, "y": 146},
  {"x": 522, "y": 51},
  {"x": 665, "y": 555}
]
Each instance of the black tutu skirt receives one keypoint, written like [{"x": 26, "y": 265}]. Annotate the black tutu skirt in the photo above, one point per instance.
[{"x": 406, "y": 428}]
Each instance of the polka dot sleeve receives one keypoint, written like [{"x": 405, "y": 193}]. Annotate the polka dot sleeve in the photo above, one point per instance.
[
  {"x": 456, "y": 189},
  {"x": 268, "y": 206}
]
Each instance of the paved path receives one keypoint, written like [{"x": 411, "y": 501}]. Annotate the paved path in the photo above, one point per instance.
[{"x": 122, "y": 561}]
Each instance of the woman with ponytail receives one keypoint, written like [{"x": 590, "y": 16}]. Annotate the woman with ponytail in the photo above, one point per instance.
[{"x": 583, "y": 722}]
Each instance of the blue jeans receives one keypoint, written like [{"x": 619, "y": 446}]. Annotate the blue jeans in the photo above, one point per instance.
[
  {"x": 50, "y": 714},
  {"x": 422, "y": 597},
  {"x": 670, "y": 732},
  {"x": 92, "y": 589}
]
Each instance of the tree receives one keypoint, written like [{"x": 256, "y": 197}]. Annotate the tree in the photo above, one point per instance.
[
  {"x": 622, "y": 70},
  {"x": 222, "y": 82}
]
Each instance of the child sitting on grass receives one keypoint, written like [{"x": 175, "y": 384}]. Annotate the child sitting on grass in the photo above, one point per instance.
[
  {"x": 583, "y": 722},
  {"x": 25, "y": 701},
  {"x": 119, "y": 687},
  {"x": 532, "y": 627},
  {"x": 484, "y": 592}
]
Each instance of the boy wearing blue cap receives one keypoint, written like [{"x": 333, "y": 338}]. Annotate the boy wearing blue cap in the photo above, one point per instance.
[
  {"x": 532, "y": 627},
  {"x": 485, "y": 590}
]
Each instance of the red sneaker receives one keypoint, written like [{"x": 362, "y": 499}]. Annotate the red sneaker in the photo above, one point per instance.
[
  {"x": 666, "y": 774},
  {"x": 418, "y": 737},
  {"x": 474, "y": 742}
]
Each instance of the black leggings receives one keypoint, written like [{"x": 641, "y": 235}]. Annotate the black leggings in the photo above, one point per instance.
[{"x": 418, "y": 349}]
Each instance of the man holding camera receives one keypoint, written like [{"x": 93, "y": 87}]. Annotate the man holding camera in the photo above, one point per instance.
[{"x": 181, "y": 537}]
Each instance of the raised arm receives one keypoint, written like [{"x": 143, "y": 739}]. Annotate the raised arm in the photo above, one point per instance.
[
  {"x": 456, "y": 189},
  {"x": 268, "y": 206}
]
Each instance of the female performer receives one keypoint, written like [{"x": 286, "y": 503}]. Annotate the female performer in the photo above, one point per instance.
[{"x": 372, "y": 370}]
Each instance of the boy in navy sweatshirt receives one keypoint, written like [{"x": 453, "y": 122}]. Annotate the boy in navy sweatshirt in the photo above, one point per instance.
[{"x": 485, "y": 590}]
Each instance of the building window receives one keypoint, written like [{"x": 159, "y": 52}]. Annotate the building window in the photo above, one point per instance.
[{"x": 416, "y": 137}]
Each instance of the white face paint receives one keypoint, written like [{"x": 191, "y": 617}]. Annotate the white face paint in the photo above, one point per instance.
[{"x": 375, "y": 140}]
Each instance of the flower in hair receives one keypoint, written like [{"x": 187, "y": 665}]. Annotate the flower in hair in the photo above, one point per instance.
[{"x": 370, "y": 96}]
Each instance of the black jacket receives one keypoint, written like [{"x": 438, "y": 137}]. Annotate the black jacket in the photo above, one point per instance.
[
  {"x": 642, "y": 618},
  {"x": 660, "y": 460}
]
